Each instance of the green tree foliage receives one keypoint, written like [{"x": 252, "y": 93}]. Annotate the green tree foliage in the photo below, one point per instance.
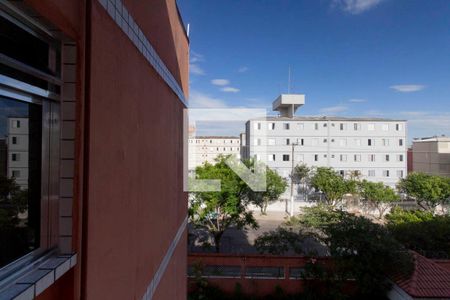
[
  {"x": 361, "y": 250},
  {"x": 300, "y": 175},
  {"x": 280, "y": 241},
  {"x": 332, "y": 185},
  {"x": 275, "y": 186},
  {"x": 218, "y": 211},
  {"x": 14, "y": 236},
  {"x": 428, "y": 190},
  {"x": 377, "y": 195},
  {"x": 421, "y": 231}
]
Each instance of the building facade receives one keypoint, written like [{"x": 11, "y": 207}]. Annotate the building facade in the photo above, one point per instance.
[
  {"x": 99, "y": 81},
  {"x": 431, "y": 156},
  {"x": 207, "y": 148},
  {"x": 17, "y": 150},
  {"x": 375, "y": 148}
]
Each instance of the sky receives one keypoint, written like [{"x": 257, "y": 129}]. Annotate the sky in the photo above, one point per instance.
[{"x": 366, "y": 58}]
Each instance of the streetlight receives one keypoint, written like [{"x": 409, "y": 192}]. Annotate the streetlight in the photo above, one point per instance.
[{"x": 292, "y": 180}]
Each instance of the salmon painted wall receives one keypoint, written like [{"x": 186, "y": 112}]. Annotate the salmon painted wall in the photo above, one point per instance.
[
  {"x": 168, "y": 38},
  {"x": 135, "y": 198},
  {"x": 66, "y": 15}
]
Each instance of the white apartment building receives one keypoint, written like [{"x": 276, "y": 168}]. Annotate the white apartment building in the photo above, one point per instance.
[
  {"x": 432, "y": 155},
  {"x": 207, "y": 148},
  {"x": 17, "y": 150},
  {"x": 374, "y": 147}
]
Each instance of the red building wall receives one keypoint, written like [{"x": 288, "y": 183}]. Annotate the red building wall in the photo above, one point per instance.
[
  {"x": 258, "y": 287},
  {"x": 409, "y": 164},
  {"x": 129, "y": 202}
]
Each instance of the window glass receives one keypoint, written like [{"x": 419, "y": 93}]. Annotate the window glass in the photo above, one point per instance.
[{"x": 20, "y": 178}]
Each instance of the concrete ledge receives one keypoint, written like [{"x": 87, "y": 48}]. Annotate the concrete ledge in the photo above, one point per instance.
[{"x": 42, "y": 276}]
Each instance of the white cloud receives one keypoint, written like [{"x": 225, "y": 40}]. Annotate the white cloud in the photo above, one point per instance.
[
  {"x": 243, "y": 69},
  {"x": 420, "y": 123},
  {"x": 220, "y": 82},
  {"x": 439, "y": 121},
  {"x": 196, "y": 69},
  {"x": 229, "y": 89},
  {"x": 200, "y": 100},
  {"x": 357, "y": 100},
  {"x": 355, "y": 7},
  {"x": 333, "y": 109},
  {"x": 196, "y": 57},
  {"x": 407, "y": 88},
  {"x": 373, "y": 113}
]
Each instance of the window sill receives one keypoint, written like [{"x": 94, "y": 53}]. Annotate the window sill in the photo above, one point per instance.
[{"x": 39, "y": 278}]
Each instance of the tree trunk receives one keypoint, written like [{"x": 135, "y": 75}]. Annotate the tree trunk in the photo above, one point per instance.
[
  {"x": 264, "y": 207},
  {"x": 217, "y": 238},
  {"x": 381, "y": 211},
  {"x": 305, "y": 193}
]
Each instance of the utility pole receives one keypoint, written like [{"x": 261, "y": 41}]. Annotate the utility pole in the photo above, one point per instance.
[{"x": 292, "y": 181}]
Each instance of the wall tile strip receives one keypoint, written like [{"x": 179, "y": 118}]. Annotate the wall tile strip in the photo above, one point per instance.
[
  {"x": 164, "y": 263},
  {"x": 119, "y": 13},
  {"x": 67, "y": 163}
]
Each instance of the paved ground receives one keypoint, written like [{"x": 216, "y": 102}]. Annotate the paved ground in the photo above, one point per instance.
[{"x": 241, "y": 241}]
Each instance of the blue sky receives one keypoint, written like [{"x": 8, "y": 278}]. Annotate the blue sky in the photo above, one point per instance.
[{"x": 384, "y": 58}]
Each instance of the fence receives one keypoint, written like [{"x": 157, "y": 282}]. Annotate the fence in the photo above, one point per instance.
[{"x": 257, "y": 275}]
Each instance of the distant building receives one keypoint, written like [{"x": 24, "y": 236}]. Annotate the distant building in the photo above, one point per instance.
[
  {"x": 244, "y": 147},
  {"x": 3, "y": 157},
  {"x": 207, "y": 148},
  {"x": 409, "y": 165},
  {"x": 374, "y": 147},
  {"x": 432, "y": 155},
  {"x": 17, "y": 150}
]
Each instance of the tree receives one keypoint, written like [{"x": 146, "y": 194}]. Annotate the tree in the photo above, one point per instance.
[
  {"x": 218, "y": 211},
  {"x": 354, "y": 175},
  {"x": 275, "y": 186},
  {"x": 332, "y": 185},
  {"x": 300, "y": 176},
  {"x": 13, "y": 201},
  {"x": 280, "y": 241},
  {"x": 377, "y": 195},
  {"x": 428, "y": 191},
  {"x": 361, "y": 250},
  {"x": 421, "y": 231}
]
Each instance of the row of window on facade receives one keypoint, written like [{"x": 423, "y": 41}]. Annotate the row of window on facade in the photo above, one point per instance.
[
  {"x": 373, "y": 173},
  {"x": 340, "y": 126},
  {"x": 315, "y": 142},
  {"x": 219, "y": 148},
  {"x": 342, "y": 157},
  {"x": 368, "y": 173},
  {"x": 191, "y": 141},
  {"x": 213, "y": 156}
]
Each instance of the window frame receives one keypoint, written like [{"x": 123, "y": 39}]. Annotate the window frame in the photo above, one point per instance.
[{"x": 49, "y": 101}]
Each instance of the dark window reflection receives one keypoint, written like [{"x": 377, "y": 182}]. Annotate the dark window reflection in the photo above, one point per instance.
[{"x": 20, "y": 178}]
